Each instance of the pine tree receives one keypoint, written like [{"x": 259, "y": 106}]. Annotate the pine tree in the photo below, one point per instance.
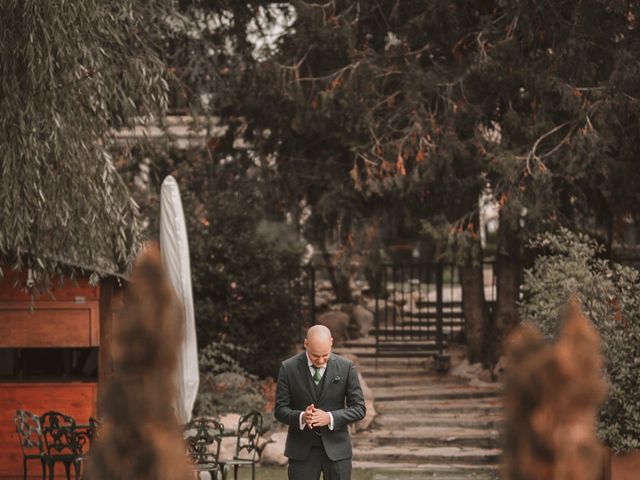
[{"x": 362, "y": 109}]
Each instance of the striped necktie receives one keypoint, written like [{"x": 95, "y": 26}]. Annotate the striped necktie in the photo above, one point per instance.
[{"x": 316, "y": 376}]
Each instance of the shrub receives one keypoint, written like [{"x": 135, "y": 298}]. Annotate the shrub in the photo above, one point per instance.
[
  {"x": 243, "y": 257},
  {"x": 610, "y": 296},
  {"x": 225, "y": 387},
  {"x": 242, "y": 282}
]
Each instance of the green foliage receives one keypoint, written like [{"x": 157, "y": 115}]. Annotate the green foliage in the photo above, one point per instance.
[
  {"x": 331, "y": 130},
  {"x": 72, "y": 72},
  {"x": 610, "y": 296},
  {"x": 225, "y": 387},
  {"x": 244, "y": 270},
  {"x": 216, "y": 358},
  {"x": 243, "y": 283},
  {"x": 459, "y": 245},
  {"x": 412, "y": 107},
  {"x": 393, "y": 115}
]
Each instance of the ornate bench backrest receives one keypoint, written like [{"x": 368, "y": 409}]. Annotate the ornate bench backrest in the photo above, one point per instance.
[
  {"x": 203, "y": 437},
  {"x": 249, "y": 429},
  {"x": 59, "y": 434},
  {"x": 29, "y": 432}
]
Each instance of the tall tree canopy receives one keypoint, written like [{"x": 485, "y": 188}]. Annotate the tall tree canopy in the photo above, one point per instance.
[
  {"x": 354, "y": 112},
  {"x": 70, "y": 74},
  {"x": 414, "y": 106}
]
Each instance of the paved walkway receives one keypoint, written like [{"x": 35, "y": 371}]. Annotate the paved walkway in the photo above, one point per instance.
[{"x": 436, "y": 426}]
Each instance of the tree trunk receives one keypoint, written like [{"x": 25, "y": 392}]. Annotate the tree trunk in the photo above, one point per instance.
[
  {"x": 339, "y": 282},
  {"x": 475, "y": 311},
  {"x": 508, "y": 276}
]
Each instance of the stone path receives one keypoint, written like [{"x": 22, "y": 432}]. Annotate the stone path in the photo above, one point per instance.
[{"x": 436, "y": 426}]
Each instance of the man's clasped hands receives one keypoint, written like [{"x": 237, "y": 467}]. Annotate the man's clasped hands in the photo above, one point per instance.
[{"x": 315, "y": 417}]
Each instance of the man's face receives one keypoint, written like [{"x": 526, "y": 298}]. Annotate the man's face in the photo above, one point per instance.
[{"x": 319, "y": 351}]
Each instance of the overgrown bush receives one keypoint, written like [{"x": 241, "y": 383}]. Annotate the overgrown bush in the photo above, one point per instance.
[
  {"x": 225, "y": 387},
  {"x": 242, "y": 282},
  {"x": 610, "y": 296},
  {"x": 243, "y": 266}
]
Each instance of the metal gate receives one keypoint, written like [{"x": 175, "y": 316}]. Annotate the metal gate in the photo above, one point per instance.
[{"x": 419, "y": 307}]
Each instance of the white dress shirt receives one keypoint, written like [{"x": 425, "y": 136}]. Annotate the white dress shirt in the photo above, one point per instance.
[{"x": 312, "y": 370}]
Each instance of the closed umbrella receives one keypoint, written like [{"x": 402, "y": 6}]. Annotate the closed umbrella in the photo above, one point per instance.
[{"x": 175, "y": 253}]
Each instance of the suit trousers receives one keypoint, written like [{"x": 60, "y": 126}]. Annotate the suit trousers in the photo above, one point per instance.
[{"x": 316, "y": 462}]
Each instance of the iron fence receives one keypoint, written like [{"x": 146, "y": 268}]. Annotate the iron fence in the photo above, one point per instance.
[{"x": 419, "y": 306}]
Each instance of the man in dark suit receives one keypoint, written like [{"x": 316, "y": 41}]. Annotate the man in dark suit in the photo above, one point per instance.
[{"x": 318, "y": 396}]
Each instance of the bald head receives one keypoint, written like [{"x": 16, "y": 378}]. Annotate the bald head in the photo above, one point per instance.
[
  {"x": 318, "y": 345},
  {"x": 319, "y": 333}
]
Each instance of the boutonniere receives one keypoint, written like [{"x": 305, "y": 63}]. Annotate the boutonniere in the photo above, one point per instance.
[{"x": 337, "y": 378}]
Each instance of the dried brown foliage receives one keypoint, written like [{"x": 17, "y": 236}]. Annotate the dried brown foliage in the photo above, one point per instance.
[
  {"x": 553, "y": 393},
  {"x": 141, "y": 439}
]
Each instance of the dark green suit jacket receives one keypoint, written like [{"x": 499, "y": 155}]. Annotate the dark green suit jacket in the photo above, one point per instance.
[{"x": 340, "y": 394}]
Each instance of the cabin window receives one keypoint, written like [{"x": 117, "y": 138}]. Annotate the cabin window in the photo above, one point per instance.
[{"x": 48, "y": 364}]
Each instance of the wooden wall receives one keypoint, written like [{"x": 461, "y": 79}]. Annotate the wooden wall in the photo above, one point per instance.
[
  {"x": 75, "y": 399},
  {"x": 49, "y": 324},
  {"x": 69, "y": 316},
  {"x": 626, "y": 466}
]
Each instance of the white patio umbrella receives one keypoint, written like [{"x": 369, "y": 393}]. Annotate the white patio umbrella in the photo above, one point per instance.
[{"x": 175, "y": 253}]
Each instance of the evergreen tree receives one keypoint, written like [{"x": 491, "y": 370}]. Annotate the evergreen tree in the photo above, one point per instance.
[{"x": 412, "y": 107}]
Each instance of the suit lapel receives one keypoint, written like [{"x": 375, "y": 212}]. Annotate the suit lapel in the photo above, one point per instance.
[
  {"x": 306, "y": 377},
  {"x": 329, "y": 375}
]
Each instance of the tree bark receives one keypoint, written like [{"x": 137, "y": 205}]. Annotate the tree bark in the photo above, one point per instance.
[
  {"x": 339, "y": 282},
  {"x": 508, "y": 279},
  {"x": 475, "y": 311},
  {"x": 508, "y": 276}
]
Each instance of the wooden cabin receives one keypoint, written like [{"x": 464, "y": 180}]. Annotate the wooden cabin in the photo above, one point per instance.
[{"x": 54, "y": 353}]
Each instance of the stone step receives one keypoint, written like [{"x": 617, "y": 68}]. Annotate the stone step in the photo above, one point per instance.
[
  {"x": 422, "y": 471},
  {"x": 443, "y": 407},
  {"x": 427, "y": 318},
  {"x": 400, "y": 353},
  {"x": 416, "y": 379},
  {"x": 424, "y": 404},
  {"x": 428, "y": 407},
  {"x": 432, "y": 392},
  {"x": 389, "y": 353},
  {"x": 415, "y": 369},
  {"x": 394, "y": 372},
  {"x": 372, "y": 360},
  {"x": 449, "y": 420},
  {"x": 397, "y": 341},
  {"x": 429, "y": 380},
  {"x": 437, "y": 425},
  {"x": 418, "y": 323},
  {"x": 370, "y": 342},
  {"x": 408, "y": 325},
  {"x": 428, "y": 455},
  {"x": 486, "y": 442},
  {"x": 383, "y": 361},
  {"x": 430, "y": 437},
  {"x": 422, "y": 332},
  {"x": 419, "y": 367},
  {"x": 392, "y": 380}
]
